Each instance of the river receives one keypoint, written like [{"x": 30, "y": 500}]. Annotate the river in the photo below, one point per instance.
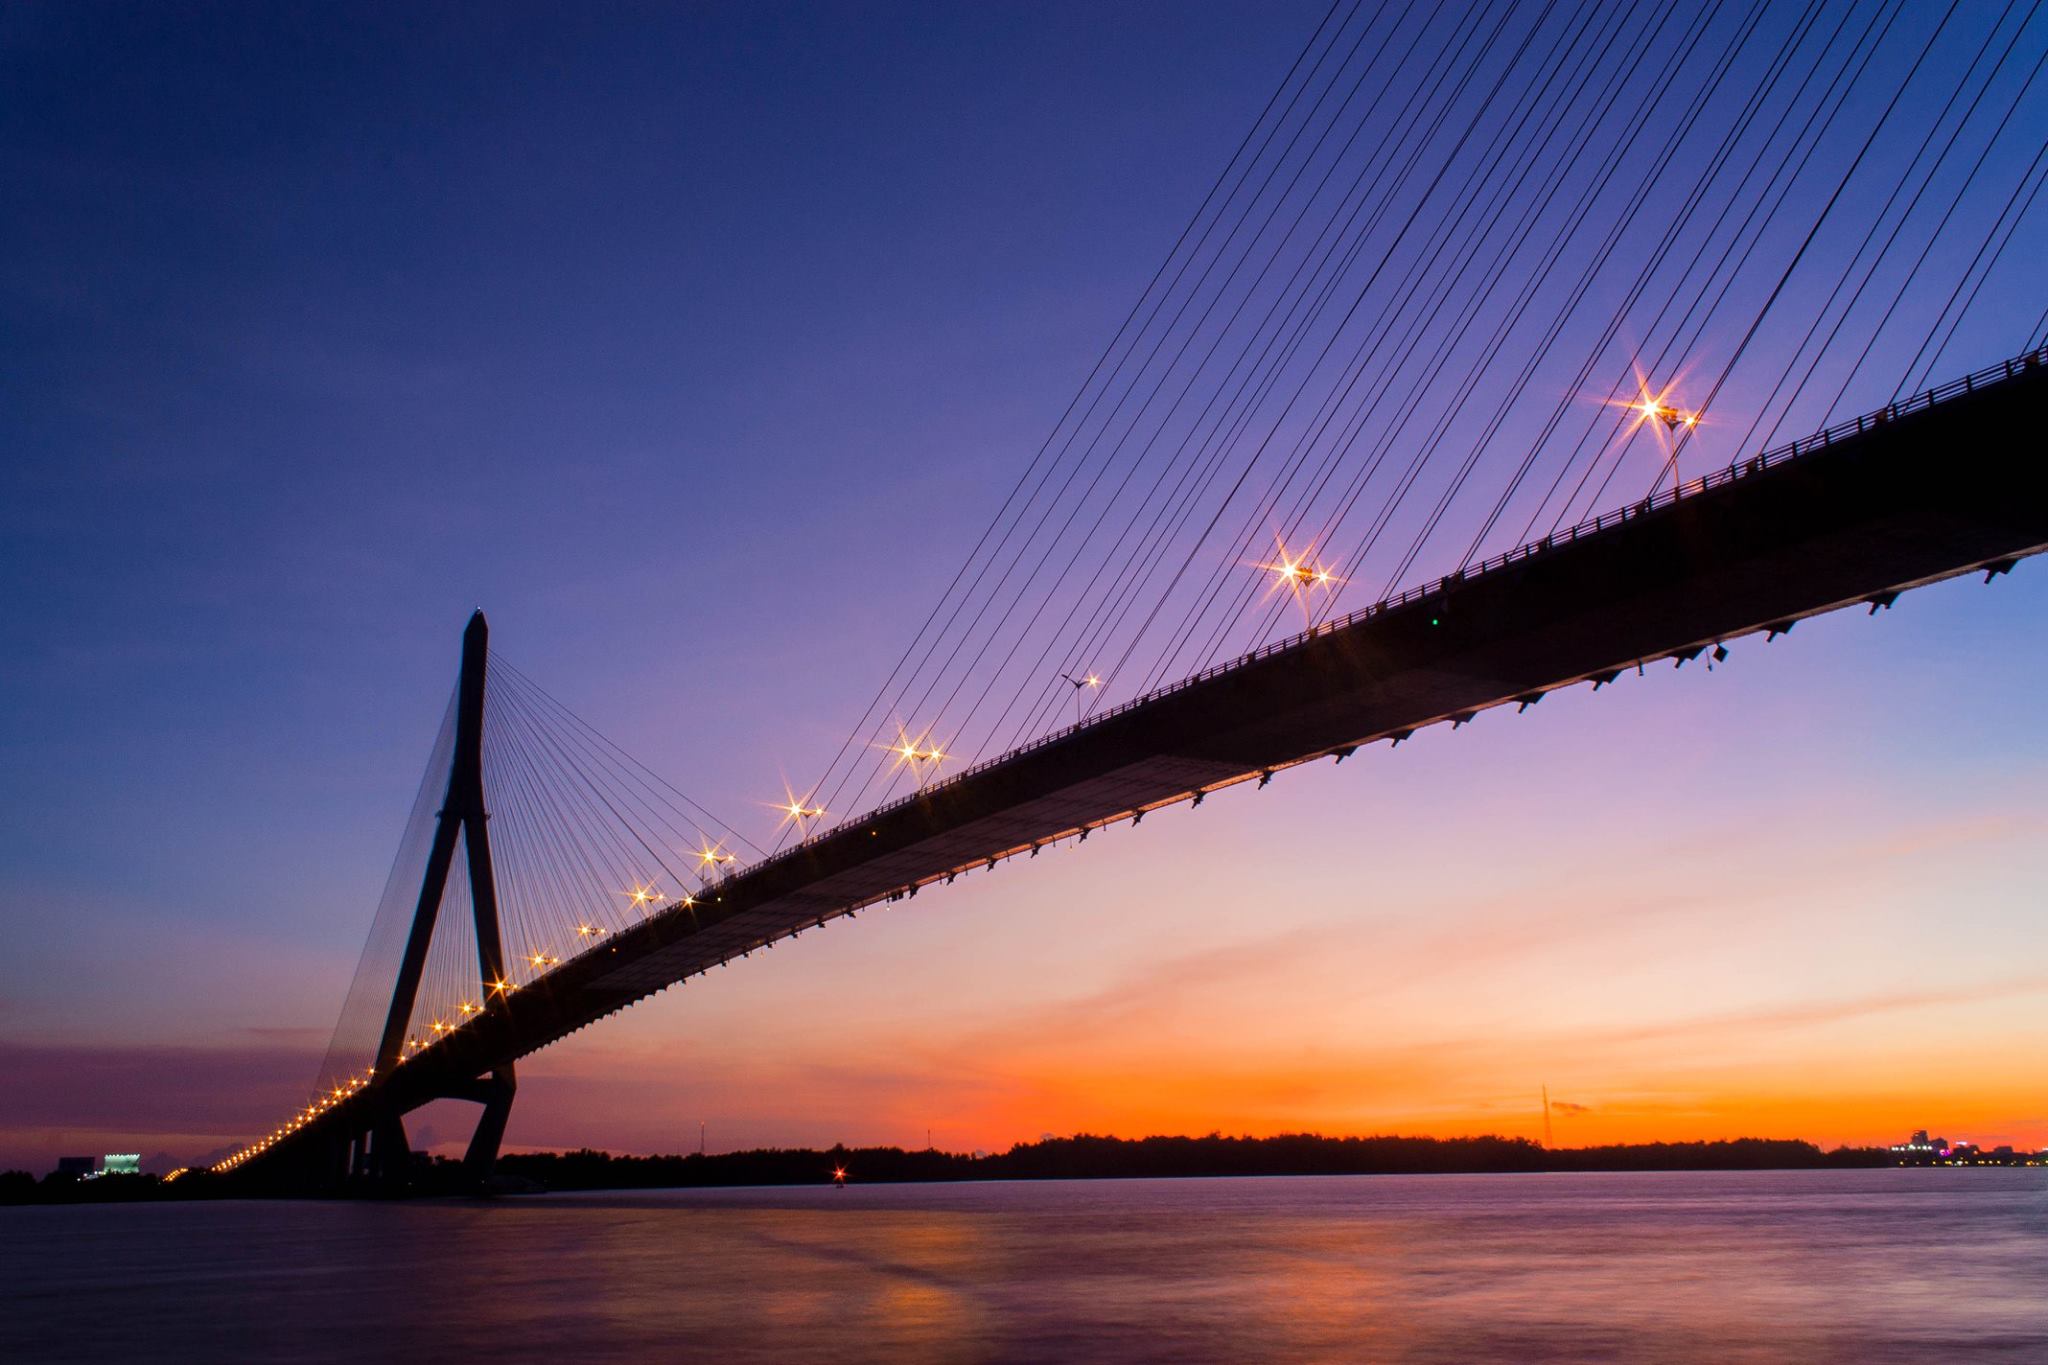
[{"x": 1906, "y": 1265}]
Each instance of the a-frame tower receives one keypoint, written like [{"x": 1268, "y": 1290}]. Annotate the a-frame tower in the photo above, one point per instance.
[{"x": 387, "y": 1157}]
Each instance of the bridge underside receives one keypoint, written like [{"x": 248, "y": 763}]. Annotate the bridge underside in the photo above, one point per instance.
[{"x": 1952, "y": 488}]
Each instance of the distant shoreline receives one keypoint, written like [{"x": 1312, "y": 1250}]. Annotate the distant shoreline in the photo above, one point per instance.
[
  {"x": 1082, "y": 1157},
  {"x": 1095, "y": 1158}
]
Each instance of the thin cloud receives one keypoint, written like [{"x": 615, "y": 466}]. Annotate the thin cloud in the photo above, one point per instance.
[{"x": 1823, "y": 1012}]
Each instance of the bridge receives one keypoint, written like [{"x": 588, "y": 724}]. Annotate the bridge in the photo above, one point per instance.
[
  {"x": 1386, "y": 290},
  {"x": 1948, "y": 483}
]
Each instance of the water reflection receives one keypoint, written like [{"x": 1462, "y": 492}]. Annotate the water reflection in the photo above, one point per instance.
[{"x": 1820, "y": 1266}]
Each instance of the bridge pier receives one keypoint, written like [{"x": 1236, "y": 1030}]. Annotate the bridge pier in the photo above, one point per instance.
[
  {"x": 380, "y": 1161},
  {"x": 389, "y": 1158},
  {"x": 496, "y": 1097}
]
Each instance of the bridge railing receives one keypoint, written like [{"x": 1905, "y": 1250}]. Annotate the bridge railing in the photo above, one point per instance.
[{"x": 1739, "y": 469}]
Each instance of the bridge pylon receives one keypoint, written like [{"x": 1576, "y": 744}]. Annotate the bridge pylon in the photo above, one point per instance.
[{"x": 381, "y": 1156}]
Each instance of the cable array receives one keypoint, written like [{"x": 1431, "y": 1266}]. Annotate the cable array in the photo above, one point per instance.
[
  {"x": 353, "y": 1047},
  {"x": 1467, "y": 272},
  {"x": 584, "y": 843}
]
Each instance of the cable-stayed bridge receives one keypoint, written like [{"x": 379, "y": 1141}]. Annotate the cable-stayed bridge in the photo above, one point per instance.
[
  {"x": 1854, "y": 515},
  {"x": 1459, "y": 278}
]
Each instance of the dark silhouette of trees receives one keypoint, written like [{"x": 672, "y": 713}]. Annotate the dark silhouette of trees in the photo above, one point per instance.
[
  {"x": 1081, "y": 1157},
  {"x": 1087, "y": 1157}
]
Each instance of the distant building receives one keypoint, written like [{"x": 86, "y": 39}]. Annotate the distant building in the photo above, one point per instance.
[
  {"x": 92, "y": 1168},
  {"x": 1922, "y": 1150}
]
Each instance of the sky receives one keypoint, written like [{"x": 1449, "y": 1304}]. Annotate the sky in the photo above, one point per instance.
[{"x": 696, "y": 345}]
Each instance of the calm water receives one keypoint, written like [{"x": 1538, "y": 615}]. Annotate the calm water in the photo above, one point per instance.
[{"x": 1823, "y": 1266}]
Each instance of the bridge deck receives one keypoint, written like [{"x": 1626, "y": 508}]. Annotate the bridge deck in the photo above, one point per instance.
[{"x": 1872, "y": 508}]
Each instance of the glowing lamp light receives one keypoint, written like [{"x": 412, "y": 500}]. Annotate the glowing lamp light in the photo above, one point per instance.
[
  {"x": 1082, "y": 686},
  {"x": 920, "y": 754},
  {"x": 1299, "y": 571},
  {"x": 1657, "y": 407},
  {"x": 1301, "y": 575},
  {"x": 795, "y": 810}
]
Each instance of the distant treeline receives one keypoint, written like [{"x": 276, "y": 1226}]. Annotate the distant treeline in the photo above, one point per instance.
[
  {"x": 1072, "y": 1158},
  {"x": 1094, "y": 1158}
]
